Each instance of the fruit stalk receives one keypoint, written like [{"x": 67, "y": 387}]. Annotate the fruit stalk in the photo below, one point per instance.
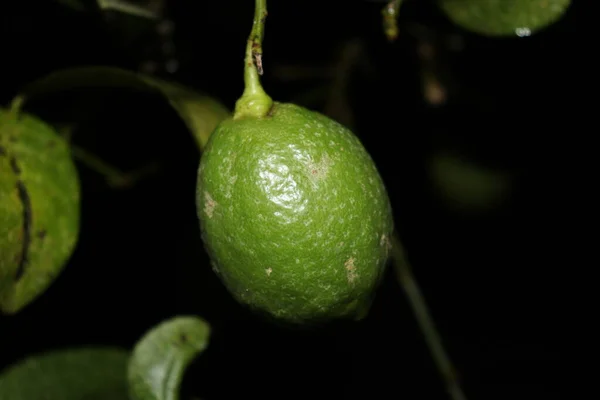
[
  {"x": 423, "y": 317},
  {"x": 390, "y": 19},
  {"x": 255, "y": 102}
]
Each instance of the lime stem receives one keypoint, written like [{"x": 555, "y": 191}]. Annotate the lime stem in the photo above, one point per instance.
[
  {"x": 390, "y": 19},
  {"x": 255, "y": 102},
  {"x": 422, "y": 315}
]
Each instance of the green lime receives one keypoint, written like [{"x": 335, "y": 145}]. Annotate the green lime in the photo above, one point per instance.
[
  {"x": 504, "y": 17},
  {"x": 294, "y": 215}
]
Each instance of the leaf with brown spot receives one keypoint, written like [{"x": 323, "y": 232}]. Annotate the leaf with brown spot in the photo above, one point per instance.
[
  {"x": 159, "y": 359},
  {"x": 39, "y": 209},
  {"x": 200, "y": 113}
]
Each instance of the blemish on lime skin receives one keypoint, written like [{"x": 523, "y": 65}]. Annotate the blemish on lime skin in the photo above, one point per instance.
[
  {"x": 209, "y": 205},
  {"x": 351, "y": 270}
]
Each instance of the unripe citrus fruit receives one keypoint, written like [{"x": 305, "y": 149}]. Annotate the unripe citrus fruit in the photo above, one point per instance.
[
  {"x": 504, "y": 17},
  {"x": 294, "y": 215}
]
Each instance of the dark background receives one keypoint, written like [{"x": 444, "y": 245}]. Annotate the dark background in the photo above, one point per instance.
[{"x": 487, "y": 275}]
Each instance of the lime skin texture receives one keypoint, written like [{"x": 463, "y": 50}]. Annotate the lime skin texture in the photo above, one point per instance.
[{"x": 294, "y": 216}]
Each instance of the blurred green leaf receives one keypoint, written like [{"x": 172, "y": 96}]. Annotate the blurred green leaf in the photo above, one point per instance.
[
  {"x": 39, "y": 208},
  {"x": 467, "y": 186},
  {"x": 128, "y": 7},
  {"x": 159, "y": 359},
  {"x": 122, "y": 6},
  {"x": 504, "y": 17},
  {"x": 94, "y": 373},
  {"x": 201, "y": 113}
]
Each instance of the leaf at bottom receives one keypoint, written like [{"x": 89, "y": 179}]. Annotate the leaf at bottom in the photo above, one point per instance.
[
  {"x": 160, "y": 358},
  {"x": 93, "y": 373}
]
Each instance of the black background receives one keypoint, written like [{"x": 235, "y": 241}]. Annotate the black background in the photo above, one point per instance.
[{"x": 487, "y": 278}]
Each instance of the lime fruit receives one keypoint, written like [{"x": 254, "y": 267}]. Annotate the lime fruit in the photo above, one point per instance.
[
  {"x": 294, "y": 215},
  {"x": 504, "y": 17}
]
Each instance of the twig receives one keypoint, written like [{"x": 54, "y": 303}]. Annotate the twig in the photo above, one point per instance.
[
  {"x": 130, "y": 9},
  {"x": 114, "y": 177},
  {"x": 425, "y": 321},
  {"x": 390, "y": 19}
]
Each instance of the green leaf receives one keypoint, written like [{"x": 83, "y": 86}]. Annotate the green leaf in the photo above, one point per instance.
[
  {"x": 92, "y": 373},
  {"x": 504, "y": 17},
  {"x": 467, "y": 186},
  {"x": 159, "y": 359},
  {"x": 39, "y": 208},
  {"x": 200, "y": 112}
]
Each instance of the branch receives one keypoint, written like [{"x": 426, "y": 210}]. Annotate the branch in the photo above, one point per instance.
[
  {"x": 131, "y": 9},
  {"x": 114, "y": 177},
  {"x": 390, "y": 19},
  {"x": 423, "y": 317}
]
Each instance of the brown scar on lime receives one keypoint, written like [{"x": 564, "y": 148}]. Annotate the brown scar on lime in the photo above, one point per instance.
[
  {"x": 350, "y": 269},
  {"x": 319, "y": 170},
  {"x": 210, "y": 204},
  {"x": 215, "y": 267},
  {"x": 2, "y": 151},
  {"x": 385, "y": 241}
]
